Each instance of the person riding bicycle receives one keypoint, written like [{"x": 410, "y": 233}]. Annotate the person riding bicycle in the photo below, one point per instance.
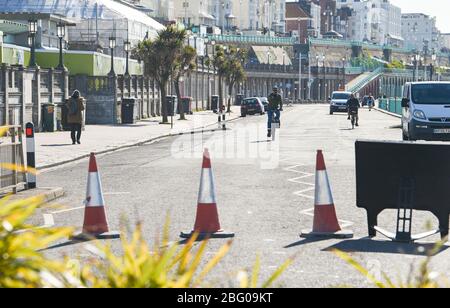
[
  {"x": 274, "y": 109},
  {"x": 353, "y": 106}
]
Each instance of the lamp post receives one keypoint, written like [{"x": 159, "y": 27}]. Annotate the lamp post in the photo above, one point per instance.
[
  {"x": 61, "y": 32},
  {"x": 32, "y": 30},
  {"x": 127, "y": 48},
  {"x": 344, "y": 60},
  {"x": 112, "y": 45}
]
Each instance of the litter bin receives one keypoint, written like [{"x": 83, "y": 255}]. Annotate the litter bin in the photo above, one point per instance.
[
  {"x": 171, "y": 102},
  {"x": 186, "y": 104},
  {"x": 239, "y": 99},
  {"x": 215, "y": 103},
  {"x": 48, "y": 117},
  {"x": 127, "y": 111}
]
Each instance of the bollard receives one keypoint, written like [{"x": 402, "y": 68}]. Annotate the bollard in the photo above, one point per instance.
[{"x": 31, "y": 155}]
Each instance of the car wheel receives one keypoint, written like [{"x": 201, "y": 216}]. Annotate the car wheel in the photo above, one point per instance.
[{"x": 331, "y": 112}]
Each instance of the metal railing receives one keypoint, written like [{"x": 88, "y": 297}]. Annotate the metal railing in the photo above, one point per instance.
[
  {"x": 12, "y": 159},
  {"x": 363, "y": 82},
  {"x": 255, "y": 40}
]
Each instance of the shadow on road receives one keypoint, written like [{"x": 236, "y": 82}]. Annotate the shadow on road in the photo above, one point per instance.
[
  {"x": 372, "y": 246},
  {"x": 305, "y": 242},
  {"x": 58, "y": 145}
]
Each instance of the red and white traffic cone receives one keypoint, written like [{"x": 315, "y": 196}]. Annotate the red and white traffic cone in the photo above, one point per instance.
[
  {"x": 95, "y": 224},
  {"x": 207, "y": 223},
  {"x": 326, "y": 223}
]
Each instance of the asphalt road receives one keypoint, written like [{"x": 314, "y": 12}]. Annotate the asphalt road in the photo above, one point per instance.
[{"x": 265, "y": 195}]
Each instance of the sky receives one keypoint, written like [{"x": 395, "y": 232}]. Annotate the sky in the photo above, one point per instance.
[{"x": 438, "y": 8}]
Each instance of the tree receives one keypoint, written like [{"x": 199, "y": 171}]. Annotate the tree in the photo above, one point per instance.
[
  {"x": 160, "y": 59},
  {"x": 235, "y": 72},
  {"x": 185, "y": 64},
  {"x": 230, "y": 68}
]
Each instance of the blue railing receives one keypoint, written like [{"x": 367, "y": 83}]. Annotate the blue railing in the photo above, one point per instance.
[
  {"x": 391, "y": 104},
  {"x": 255, "y": 40}
]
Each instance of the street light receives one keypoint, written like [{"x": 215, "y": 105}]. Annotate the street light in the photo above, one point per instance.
[
  {"x": 61, "y": 33},
  {"x": 344, "y": 60},
  {"x": 32, "y": 30},
  {"x": 127, "y": 48},
  {"x": 112, "y": 45}
]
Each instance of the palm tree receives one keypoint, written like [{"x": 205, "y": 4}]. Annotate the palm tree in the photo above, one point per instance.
[
  {"x": 160, "y": 59},
  {"x": 185, "y": 64},
  {"x": 235, "y": 71},
  {"x": 230, "y": 67}
]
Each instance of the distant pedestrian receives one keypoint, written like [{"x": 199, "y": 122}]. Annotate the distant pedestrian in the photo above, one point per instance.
[{"x": 75, "y": 107}]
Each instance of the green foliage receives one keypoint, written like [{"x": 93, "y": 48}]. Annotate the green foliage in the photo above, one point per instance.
[
  {"x": 229, "y": 64},
  {"x": 165, "y": 266},
  {"x": 246, "y": 281},
  {"x": 22, "y": 265},
  {"x": 396, "y": 64},
  {"x": 365, "y": 61},
  {"x": 160, "y": 58}
]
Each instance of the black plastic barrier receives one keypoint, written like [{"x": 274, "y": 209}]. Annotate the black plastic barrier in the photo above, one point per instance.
[{"x": 403, "y": 176}]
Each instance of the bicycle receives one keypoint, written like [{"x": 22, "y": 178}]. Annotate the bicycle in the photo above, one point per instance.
[
  {"x": 276, "y": 124},
  {"x": 353, "y": 115}
]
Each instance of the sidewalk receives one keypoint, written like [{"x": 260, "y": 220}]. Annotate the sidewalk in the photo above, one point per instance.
[{"x": 53, "y": 149}]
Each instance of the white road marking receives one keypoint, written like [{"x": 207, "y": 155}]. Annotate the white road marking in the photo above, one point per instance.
[
  {"x": 117, "y": 193},
  {"x": 68, "y": 210},
  {"x": 49, "y": 221},
  {"x": 301, "y": 193}
]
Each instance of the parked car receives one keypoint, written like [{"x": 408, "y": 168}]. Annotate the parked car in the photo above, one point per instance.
[
  {"x": 251, "y": 106},
  {"x": 265, "y": 103},
  {"x": 338, "y": 101},
  {"x": 426, "y": 111}
]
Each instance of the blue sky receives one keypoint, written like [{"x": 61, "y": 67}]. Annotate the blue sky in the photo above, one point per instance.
[{"x": 438, "y": 8}]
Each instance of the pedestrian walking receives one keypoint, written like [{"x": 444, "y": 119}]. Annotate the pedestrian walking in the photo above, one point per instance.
[{"x": 75, "y": 108}]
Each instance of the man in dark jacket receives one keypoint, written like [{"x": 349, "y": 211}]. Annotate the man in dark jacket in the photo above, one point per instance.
[
  {"x": 353, "y": 106},
  {"x": 274, "y": 109},
  {"x": 75, "y": 107}
]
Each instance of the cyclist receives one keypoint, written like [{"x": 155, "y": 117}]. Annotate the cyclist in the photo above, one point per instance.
[
  {"x": 274, "y": 109},
  {"x": 353, "y": 106},
  {"x": 371, "y": 102}
]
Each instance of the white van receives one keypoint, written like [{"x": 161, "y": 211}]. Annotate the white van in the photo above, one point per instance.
[{"x": 426, "y": 111}]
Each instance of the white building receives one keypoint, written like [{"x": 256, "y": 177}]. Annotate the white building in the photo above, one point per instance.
[
  {"x": 193, "y": 12},
  {"x": 420, "y": 32},
  {"x": 162, "y": 9},
  {"x": 376, "y": 21},
  {"x": 230, "y": 15}
]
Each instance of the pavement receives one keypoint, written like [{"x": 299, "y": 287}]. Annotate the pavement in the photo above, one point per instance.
[
  {"x": 54, "y": 149},
  {"x": 265, "y": 193}
]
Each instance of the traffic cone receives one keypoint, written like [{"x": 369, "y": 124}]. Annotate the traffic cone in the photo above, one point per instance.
[
  {"x": 95, "y": 224},
  {"x": 325, "y": 219},
  {"x": 207, "y": 223}
]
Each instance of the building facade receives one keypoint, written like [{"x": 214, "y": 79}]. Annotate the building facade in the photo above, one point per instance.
[
  {"x": 420, "y": 32},
  {"x": 375, "y": 21}
]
